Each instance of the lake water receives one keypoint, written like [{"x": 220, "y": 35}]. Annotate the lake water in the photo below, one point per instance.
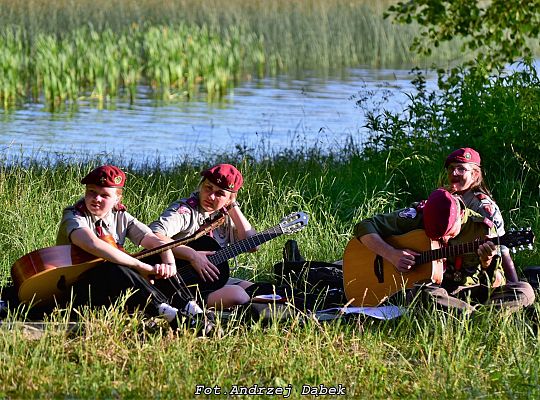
[{"x": 265, "y": 115}]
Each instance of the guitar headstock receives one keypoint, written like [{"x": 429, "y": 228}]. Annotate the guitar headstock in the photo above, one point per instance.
[
  {"x": 518, "y": 238},
  {"x": 294, "y": 222}
]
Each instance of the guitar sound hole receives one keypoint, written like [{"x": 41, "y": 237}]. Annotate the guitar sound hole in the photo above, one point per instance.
[
  {"x": 378, "y": 268},
  {"x": 61, "y": 285}
]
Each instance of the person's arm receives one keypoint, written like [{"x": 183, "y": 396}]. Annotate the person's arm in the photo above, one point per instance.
[
  {"x": 487, "y": 252},
  {"x": 89, "y": 242},
  {"x": 508, "y": 265},
  {"x": 168, "y": 266},
  {"x": 197, "y": 259},
  {"x": 402, "y": 259},
  {"x": 243, "y": 228},
  {"x": 486, "y": 206},
  {"x": 371, "y": 232}
]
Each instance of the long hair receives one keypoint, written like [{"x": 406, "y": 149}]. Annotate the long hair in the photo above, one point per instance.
[{"x": 479, "y": 185}]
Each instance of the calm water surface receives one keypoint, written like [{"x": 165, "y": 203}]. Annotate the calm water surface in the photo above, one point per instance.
[{"x": 267, "y": 114}]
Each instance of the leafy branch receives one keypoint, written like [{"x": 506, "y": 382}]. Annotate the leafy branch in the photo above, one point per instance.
[{"x": 499, "y": 31}]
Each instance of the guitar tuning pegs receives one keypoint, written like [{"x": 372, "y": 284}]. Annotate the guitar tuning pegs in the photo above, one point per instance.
[{"x": 513, "y": 250}]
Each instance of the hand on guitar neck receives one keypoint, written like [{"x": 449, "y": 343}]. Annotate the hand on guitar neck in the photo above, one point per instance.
[{"x": 85, "y": 239}]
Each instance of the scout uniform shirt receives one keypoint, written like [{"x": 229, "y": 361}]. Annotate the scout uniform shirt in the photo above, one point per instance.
[
  {"x": 484, "y": 205},
  {"x": 119, "y": 224},
  {"x": 459, "y": 270},
  {"x": 184, "y": 217}
]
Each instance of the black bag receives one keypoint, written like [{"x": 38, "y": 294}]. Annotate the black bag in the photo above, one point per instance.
[
  {"x": 310, "y": 276},
  {"x": 532, "y": 274},
  {"x": 298, "y": 298}
]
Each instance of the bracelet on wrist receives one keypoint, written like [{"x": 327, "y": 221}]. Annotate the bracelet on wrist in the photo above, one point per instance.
[{"x": 232, "y": 205}]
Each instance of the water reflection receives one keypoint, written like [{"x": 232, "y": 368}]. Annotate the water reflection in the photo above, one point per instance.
[{"x": 270, "y": 113}]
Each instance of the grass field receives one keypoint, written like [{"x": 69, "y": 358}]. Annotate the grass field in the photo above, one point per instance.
[{"x": 422, "y": 354}]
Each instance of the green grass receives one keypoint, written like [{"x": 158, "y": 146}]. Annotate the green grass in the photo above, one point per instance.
[{"x": 423, "y": 354}]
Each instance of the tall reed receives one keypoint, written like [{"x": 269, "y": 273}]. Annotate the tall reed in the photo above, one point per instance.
[{"x": 65, "y": 50}]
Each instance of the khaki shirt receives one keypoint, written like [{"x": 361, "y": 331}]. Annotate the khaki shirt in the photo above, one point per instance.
[
  {"x": 184, "y": 217},
  {"x": 484, "y": 205},
  {"x": 459, "y": 270},
  {"x": 118, "y": 224}
]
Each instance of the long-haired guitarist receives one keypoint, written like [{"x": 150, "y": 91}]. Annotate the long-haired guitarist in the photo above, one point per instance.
[
  {"x": 217, "y": 190},
  {"x": 99, "y": 224},
  {"x": 465, "y": 177},
  {"x": 477, "y": 277}
]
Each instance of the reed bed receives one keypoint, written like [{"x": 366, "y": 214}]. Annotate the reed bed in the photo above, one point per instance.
[
  {"x": 61, "y": 51},
  {"x": 112, "y": 354},
  {"x": 172, "y": 60}
]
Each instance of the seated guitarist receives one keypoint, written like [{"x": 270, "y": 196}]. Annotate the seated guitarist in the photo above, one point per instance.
[
  {"x": 476, "y": 277},
  {"x": 217, "y": 190},
  {"x": 99, "y": 224}
]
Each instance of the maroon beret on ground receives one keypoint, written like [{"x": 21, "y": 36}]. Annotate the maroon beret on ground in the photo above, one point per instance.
[
  {"x": 106, "y": 176},
  {"x": 440, "y": 213},
  {"x": 226, "y": 176},
  {"x": 463, "y": 155}
]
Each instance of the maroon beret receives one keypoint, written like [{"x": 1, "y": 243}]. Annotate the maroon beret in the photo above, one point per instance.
[
  {"x": 225, "y": 176},
  {"x": 463, "y": 155},
  {"x": 440, "y": 213},
  {"x": 106, "y": 176}
]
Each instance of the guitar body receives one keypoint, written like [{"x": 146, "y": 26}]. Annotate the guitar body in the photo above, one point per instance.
[
  {"x": 190, "y": 277},
  {"x": 45, "y": 274},
  {"x": 369, "y": 279}
]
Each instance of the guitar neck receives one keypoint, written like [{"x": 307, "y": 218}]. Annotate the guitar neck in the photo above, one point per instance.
[
  {"x": 178, "y": 242},
  {"x": 164, "y": 247},
  {"x": 245, "y": 245},
  {"x": 445, "y": 252}
]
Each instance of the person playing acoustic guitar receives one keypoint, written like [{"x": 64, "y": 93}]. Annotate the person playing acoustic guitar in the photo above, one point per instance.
[
  {"x": 465, "y": 177},
  {"x": 99, "y": 224},
  {"x": 217, "y": 191},
  {"x": 468, "y": 279}
]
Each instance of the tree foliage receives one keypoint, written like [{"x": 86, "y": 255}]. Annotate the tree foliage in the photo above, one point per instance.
[{"x": 500, "y": 31}]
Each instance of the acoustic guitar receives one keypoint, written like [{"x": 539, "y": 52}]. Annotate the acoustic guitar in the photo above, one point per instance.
[
  {"x": 186, "y": 273},
  {"x": 44, "y": 275},
  {"x": 369, "y": 279}
]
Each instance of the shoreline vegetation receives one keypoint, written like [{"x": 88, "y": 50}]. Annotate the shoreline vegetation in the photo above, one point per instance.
[{"x": 57, "y": 52}]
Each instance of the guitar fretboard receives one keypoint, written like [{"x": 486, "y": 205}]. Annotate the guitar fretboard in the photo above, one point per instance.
[
  {"x": 454, "y": 250},
  {"x": 444, "y": 252},
  {"x": 245, "y": 245}
]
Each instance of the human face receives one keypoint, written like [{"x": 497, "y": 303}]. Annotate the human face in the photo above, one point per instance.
[
  {"x": 212, "y": 197},
  {"x": 100, "y": 200},
  {"x": 462, "y": 176}
]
